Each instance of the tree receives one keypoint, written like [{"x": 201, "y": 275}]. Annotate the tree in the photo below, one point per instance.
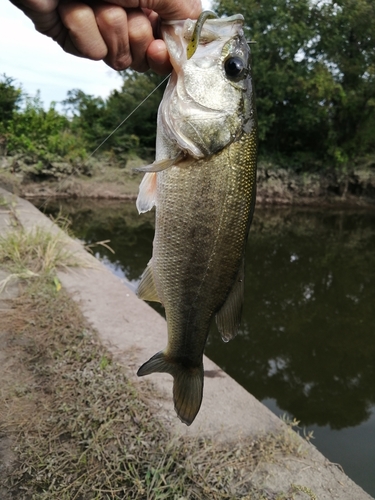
[
  {"x": 346, "y": 46},
  {"x": 10, "y": 98},
  {"x": 139, "y": 130},
  {"x": 96, "y": 118},
  {"x": 86, "y": 112},
  {"x": 42, "y": 135},
  {"x": 313, "y": 67}
]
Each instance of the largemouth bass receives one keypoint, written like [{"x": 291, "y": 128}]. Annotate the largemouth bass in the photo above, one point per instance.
[{"x": 203, "y": 186}]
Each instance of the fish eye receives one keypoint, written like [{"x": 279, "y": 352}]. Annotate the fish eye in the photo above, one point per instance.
[{"x": 234, "y": 68}]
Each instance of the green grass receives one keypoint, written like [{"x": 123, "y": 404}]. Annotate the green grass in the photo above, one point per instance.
[
  {"x": 79, "y": 428},
  {"x": 38, "y": 252},
  {"x": 82, "y": 430}
]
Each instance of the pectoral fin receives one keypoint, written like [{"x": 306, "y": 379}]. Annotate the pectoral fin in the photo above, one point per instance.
[
  {"x": 146, "y": 288},
  {"x": 147, "y": 193},
  {"x": 228, "y": 319},
  {"x": 160, "y": 165},
  {"x": 147, "y": 196}
]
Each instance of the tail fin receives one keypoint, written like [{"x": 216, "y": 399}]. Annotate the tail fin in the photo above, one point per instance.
[{"x": 187, "y": 386}]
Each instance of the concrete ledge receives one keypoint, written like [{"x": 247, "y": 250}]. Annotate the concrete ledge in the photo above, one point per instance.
[{"x": 133, "y": 332}]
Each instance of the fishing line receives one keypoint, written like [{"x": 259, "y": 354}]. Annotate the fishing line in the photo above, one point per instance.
[
  {"x": 129, "y": 115},
  {"x": 75, "y": 170}
]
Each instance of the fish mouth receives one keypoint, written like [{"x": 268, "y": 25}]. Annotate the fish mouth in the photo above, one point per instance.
[
  {"x": 194, "y": 119},
  {"x": 212, "y": 29}
]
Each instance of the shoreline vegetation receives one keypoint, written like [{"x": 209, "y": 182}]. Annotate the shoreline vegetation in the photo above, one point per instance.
[
  {"x": 313, "y": 70},
  {"x": 107, "y": 179}
]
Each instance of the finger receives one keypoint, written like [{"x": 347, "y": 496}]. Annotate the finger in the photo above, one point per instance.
[
  {"x": 49, "y": 24},
  {"x": 42, "y": 6},
  {"x": 112, "y": 22},
  {"x": 178, "y": 9},
  {"x": 140, "y": 37},
  {"x": 84, "y": 38},
  {"x": 158, "y": 57},
  {"x": 44, "y": 16},
  {"x": 154, "y": 20}
]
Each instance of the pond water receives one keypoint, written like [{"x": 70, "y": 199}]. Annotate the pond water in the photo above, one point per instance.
[{"x": 307, "y": 342}]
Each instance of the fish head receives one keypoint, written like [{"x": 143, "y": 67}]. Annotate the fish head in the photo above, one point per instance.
[{"x": 208, "y": 103}]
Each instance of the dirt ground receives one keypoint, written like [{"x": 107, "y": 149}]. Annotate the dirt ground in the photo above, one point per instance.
[
  {"x": 68, "y": 431},
  {"x": 12, "y": 373}
]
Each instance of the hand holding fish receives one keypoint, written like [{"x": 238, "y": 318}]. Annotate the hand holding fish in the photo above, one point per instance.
[{"x": 122, "y": 33}]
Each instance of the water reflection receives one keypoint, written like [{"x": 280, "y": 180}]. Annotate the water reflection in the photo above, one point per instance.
[
  {"x": 307, "y": 339},
  {"x": 129, "y": 234},
  {"x": 308, "y": 336}
]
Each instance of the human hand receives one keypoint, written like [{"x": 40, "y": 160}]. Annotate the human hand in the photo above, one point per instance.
[{"x": 123, "y": 33}]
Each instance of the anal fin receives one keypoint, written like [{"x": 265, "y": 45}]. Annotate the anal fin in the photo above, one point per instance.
[
  {"x": 228, "y": 319},
  {"x": 146, "y": 289}
]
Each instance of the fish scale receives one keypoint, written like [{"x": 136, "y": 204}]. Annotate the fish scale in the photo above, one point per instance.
[{"x": 206, "y": 265}]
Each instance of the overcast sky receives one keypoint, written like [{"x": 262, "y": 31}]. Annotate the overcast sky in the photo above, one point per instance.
[{"x": 38, "y": 63}]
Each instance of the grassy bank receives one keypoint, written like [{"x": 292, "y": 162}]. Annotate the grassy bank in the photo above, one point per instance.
[
  {"x": 74, "y": 426},
  {"x": 101, "y": 179}
]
